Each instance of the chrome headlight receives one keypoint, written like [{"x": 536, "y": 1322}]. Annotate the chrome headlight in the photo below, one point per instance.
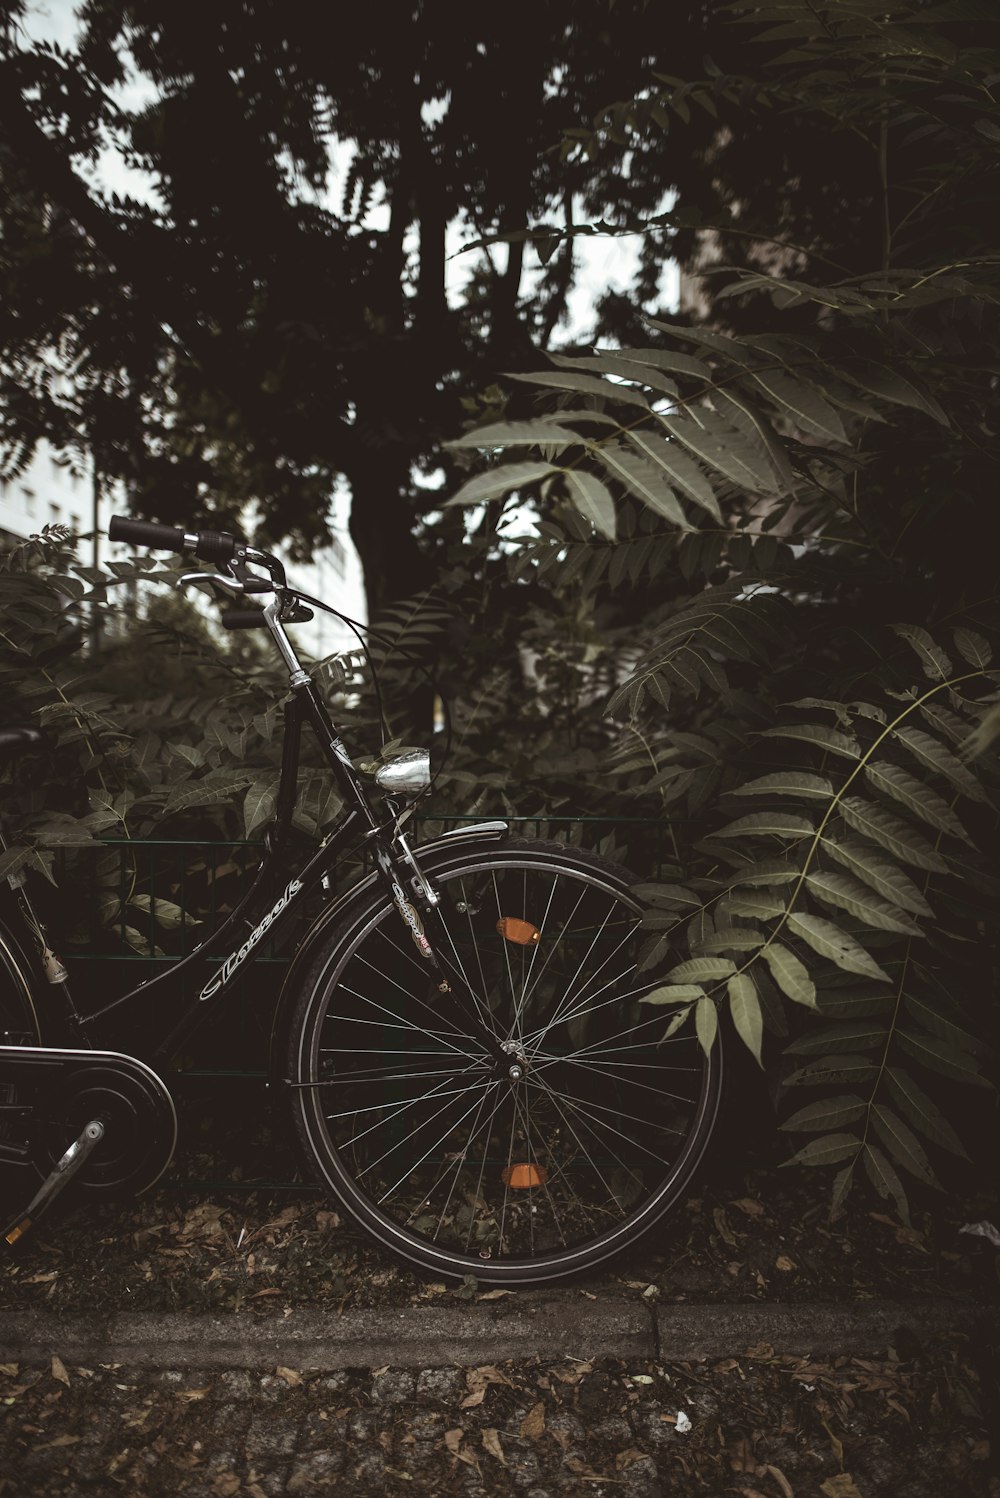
[{"x": 405, "y": 774}]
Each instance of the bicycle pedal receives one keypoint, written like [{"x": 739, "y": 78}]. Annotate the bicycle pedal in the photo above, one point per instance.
[{"x": 56, "y": 1181}]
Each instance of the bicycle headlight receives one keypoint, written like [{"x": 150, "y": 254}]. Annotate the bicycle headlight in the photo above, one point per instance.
[{"x": 405, "y": 774}]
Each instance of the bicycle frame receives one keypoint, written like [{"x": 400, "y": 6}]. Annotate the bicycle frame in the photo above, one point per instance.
[{"x": 256, "y": 916}]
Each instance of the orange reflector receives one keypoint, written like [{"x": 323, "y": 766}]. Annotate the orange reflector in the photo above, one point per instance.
[
  {"x": 522, "y": 932},
  {"x": 518, "y": 1177}
]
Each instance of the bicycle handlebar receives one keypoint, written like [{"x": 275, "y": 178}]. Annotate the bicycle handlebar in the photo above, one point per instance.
[{"x": 211, "y": 546}]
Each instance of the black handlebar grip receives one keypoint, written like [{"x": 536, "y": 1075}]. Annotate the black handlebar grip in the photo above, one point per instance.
[
  {"x": 217, "y": 546},
  {"x": 146, "y": 533},
  {"x": 243, "y": 618}
]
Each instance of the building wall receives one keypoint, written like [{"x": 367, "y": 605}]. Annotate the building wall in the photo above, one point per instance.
[{"x": 48, "y": 493}]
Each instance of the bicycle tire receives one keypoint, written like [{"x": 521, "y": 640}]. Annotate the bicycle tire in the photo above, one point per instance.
[
  {"x": 18, "y": 1024},
  {"x": 418, "y": 1136}
]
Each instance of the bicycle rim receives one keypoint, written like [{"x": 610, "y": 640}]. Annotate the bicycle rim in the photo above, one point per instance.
[{"x": 526, "y": 1172}]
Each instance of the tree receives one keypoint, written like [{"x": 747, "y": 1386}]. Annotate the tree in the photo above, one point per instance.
[{"x": 241, "y": 340}]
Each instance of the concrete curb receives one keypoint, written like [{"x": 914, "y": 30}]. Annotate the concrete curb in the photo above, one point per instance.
[{"x": 550, "y": 1325}]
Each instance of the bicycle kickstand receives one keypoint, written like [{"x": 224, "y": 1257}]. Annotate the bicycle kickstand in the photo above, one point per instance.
[{"x": 56, "y": 1181}]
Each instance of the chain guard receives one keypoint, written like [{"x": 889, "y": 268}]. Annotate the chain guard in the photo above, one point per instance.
[{"x": 57, "y": 1094}]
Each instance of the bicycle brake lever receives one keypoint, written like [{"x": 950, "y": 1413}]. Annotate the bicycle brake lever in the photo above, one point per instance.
[{"x": 213, "y": 577}]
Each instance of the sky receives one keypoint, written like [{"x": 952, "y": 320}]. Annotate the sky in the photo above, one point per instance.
[{"x": 604, "y": 263}]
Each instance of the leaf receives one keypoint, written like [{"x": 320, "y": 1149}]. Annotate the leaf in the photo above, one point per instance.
[
  {"x": 674, "y": 993},
  {"x": 885, "y": 1180},
  {"x": 847, "y": 1070},
  {"x": 723, "y": 449},
  {"x": 916, "y": 796},
  {"x": 892, "y": 386},
  {"x": 811, "y": 411},
  {"x": 898, "y": 837},
  {"x": 754, "y": 903},
  {"x": 259, "y": 803},
  {"x": 826, "y": 1151},
  {"x": 205, "y": 792},
  {"x": 501, "y": 480},
  {"x": 932, "y": 753},
  {"x": 829, "y": 1113},
  {"x": 744, "y": 1006},
  {"x": 702, "y": 970},
  {"x": 902, "y": 1144},
  {"x": 643, "y": 480},
  {"x": 859, "y": 900},
  {"x": 674, "y": 1025},
  {"x": 790, "y": 974},
  {"x": 491, "y": 1442},
  {"x": 730, "y": 939},
  {"x": 533, "y": 1424},
  {"x": 59, "y": 1370},
  {"x": 973, "y": 648},
  {"x": 788, "y": 783},
  {"x": 517, "y": 434},
  {"x": 887, "y": 880},
  {"x": 593, "y": 500},
  {"x": 938, "y": 1056},
  {"x": 829, "y": 941},
  {"x": 777, "y": 823},
  {"x": 924, "y": 1114},
  {"x": 818, "y": 734},
  {"x": 706, "y": 1020},
  {"x": 935, "y": 663},
  {"x": 679, "y": 468},
  {"x": 584, "y": 383}
]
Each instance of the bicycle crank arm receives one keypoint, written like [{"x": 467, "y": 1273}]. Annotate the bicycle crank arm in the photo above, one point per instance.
[{"x": 57, "y": 1180}]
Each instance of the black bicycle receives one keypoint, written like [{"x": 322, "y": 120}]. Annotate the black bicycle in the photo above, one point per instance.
[{"x": 460, "y": 1037}]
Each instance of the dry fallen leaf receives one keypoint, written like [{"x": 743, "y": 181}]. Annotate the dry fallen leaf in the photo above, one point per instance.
[
  {"x": 784, "y": 1263},
  {"x": 494, "y": 1294},
  {"x": 628, "y": 1458},
  {"x": 841, "y": 1486},
  {"x": 59, "y": 1370},
  {"x": 292, "y": 1379},
  {"x": 747, "y": 1205},
  {"x": 59, "y": 1441},
  {"x": 491, "y": 1440},
  {"x": 226, "y": 1484},
  {"x": 533, "y": 1424},
  {"x": 476, "y": 1397},
  {"x": 190, "y": 1396},
  {"x": 781, "y": 1480},
  {"x": 11, "y": 1370}
]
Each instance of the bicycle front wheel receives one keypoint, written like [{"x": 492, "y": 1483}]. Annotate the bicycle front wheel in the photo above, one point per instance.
[{"x": 520, "y": 1172}]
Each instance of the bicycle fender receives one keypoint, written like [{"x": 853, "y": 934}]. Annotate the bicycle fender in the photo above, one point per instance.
[{"x": 445, "y": 846}]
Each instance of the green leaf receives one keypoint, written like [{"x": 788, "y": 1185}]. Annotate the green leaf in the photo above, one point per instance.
[
  {"x": 812, "y": 413},
  {"x": 902, "y": 1144},
  {"x": 916, "y": 796},
  {"x": 679, "y": 468},
  {"x": 818, "y": 734},
  {"x": 788, "y": 783},
  {"x": 584, "y": 383},
  {"x": 744, "y": 1007},
  {"x": 206, "y": 792},
  {"x": 790, "y": 974},
  {"x": 593, "y": 500},
  {"x": 702, "y": 970},
  {"x": 925, "y": 1115},
  {"x": 885, "y": 878},
  {"x": 777, "y": 823},
  {"x": 829, "y": 941},
  {"x": 859, "y": 900},
  {"x": 834, "y": 1071},
  {"x": 861, "y": 1035},
  {"x": 643, "y": 479},
  {"x": 500, "y": 481},
  {"x": 754, "y": 903},
  {"x": 674, "y": 993},
  {"x": 770, "y": 871},
  {"x": 938, "y": 1056},
  {"x": 973, "y": 648},
  {"x": 721, "y": 448},
  {"x": 674, "y": 1025},
  {"x": 890, "y": 385},
  {"x": 259, "y": 802},
  {"x": 706, "y": 1020},
  {"x": 885, "y": 1180},
  {"x": 730, "y": 939},
  {"x": 829, "y": 1113},
  {"x": 517, "y": 434},
  {"x": 933, "y": 659},
  {"x": 933, "y": 1020},
  {"x": 932, "y": 753},
  {"x": 826, "y": 1151},
  {"x": 898, "y": 837}
]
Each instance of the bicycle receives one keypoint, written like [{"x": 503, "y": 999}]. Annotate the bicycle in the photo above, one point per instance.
[{"x": 460, "y": 1037}]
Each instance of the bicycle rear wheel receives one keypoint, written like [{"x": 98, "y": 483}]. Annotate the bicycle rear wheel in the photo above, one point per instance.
[
  {"x": 525, "y": 1172},
  {"x": 18, "y": 1026}
]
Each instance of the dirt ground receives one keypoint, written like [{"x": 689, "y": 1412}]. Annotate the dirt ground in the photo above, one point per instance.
[
  {"x": 765, "y": 1427},
  {"x": 921, "y": 1421}
]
